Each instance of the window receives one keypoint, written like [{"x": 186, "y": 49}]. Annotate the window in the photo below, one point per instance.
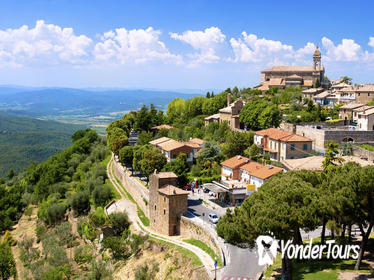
[
  {"x": 292, "y": 147},
  {"x": 305, "y": 147},
  {"x": 164, "y": 198},
  {"x": 155, "y": 207},
  {"x": 164, "y": 212}
]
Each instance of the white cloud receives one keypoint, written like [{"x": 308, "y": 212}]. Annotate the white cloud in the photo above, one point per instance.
[
  {"x": 371, "y": 41},
  {"x": 136, "y": 45},
  {"x": 43, "y": 44},
  {"x": 347, "y": 50},
  {"x": 206, "y": 42},
  {"x": 250, "y": 48}
]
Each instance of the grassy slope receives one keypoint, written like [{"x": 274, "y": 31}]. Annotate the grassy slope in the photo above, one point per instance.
[
  {"x": 24, "y": 140},
  {"x": 205, "y": 248}
]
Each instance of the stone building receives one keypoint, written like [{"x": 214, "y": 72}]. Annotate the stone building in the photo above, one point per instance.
[
  {"x": 229, "y": 114},
  {"x": 172, "y": 148},
  {"x": 167, "y": 203},
  {"x": 282, "y": 145},
  {"x": 310, "y": 93},
  {"x": 361, "y": 94},
  {"x": 298, "y": 76}
]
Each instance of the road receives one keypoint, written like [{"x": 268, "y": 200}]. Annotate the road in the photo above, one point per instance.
[{"x": 243, "y": 262}]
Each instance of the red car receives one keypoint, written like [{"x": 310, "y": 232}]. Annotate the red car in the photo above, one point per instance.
[{"x": 187, "y": 187}]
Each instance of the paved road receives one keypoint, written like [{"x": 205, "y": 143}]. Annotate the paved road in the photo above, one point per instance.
[{"x": 243, "y": 262}]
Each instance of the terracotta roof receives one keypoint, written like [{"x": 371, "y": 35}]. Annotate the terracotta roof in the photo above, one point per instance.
[
  {"x": 367, "y": 112},
  {"x": 266, "y": 172},
  {"x": 278, "y": 134},
  {"x": 323, "y": 94},
  {"x": 366, "y": 88},
  {"x": 264, "y": 86},
  {"x": 251, "y": 166},
  {"x": 163, "y": 126},
  {"x": 296, "y": 138},
  {"x": 235, "y": 161},
  {"x": 159, "y": 140},
  {"x": 273, "y": 133},
  {"x": 192, "y": 145},
  {"x": 197, "y": 141},
  {"x": 351, "y": 106},
  {"x": 170, "y": 145},
  {"x": 312, "y": 90},
  {"x": 164, "y": 175},
  {"x": 172, "y": 190},
  {"x": 363, "y": 108},
  {"x": 290, "y": 69},
  {"x": 340, "y": 85},
  {"x": 215, "y": 116}
]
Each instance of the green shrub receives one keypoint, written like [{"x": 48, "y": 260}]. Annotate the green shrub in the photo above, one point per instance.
[
  {"x": 80, "y": 202},
  {"x": 102, "y": 195}
]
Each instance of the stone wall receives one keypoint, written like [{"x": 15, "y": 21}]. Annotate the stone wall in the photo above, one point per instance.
[
  {"x": 288, "y": 127},
  {"x": 321, "y": 136},
  {"x": 190, "y": 229},
  {"x": 138, "y": 191},
  {"x": 364, "y": 154},
  {"x": 317, "y": 136}
]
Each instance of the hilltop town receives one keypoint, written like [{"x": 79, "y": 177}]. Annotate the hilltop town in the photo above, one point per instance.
[{"x": 183, "y": 194}]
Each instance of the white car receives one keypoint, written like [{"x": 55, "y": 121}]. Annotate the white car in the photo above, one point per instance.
[
  {"x": 212, "y": 193},
  {"x": 213, "y": 218}
]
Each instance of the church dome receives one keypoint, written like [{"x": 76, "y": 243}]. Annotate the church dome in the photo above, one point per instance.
[{"x": 317, "y": 52}]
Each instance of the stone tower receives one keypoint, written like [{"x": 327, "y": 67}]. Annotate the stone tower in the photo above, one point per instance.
[
  {"x": 167, "y": 203},
  {"x": 317, "y": 59}
]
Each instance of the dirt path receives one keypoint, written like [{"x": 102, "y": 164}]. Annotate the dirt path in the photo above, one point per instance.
[{"x": 25, "y": 228}]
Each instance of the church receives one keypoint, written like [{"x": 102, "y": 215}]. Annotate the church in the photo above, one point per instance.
[{"x": 297, "y": 76}]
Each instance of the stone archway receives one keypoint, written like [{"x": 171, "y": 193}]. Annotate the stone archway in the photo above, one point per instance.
[{"x": 348, "y": 140}]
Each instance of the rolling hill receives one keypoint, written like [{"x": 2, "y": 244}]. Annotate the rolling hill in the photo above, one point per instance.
[{"x": 24, "y": 140}]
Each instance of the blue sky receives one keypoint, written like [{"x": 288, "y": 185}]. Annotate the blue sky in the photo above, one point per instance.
[{"x": 179, "y": 44}]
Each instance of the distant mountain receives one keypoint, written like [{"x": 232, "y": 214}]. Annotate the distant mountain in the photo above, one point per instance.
[
  {"x": 67, "y": 101},
  {"x": 24, "y": 140}
]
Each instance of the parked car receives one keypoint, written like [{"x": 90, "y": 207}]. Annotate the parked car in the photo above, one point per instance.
[
  {"x": 206, "y": 190},
  {"x": 213, "y": 218},
  {"x": 187, "y": 187},
  {"x": 212, "y": 194}
]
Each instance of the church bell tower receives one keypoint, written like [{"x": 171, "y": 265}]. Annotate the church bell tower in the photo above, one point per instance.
[{"x": 317, "y": 59}]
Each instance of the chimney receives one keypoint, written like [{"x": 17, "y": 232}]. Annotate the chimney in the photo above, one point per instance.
[{"x": 228, "y": 99}]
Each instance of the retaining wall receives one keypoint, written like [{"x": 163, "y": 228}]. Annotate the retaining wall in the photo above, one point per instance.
[
  {"x": 320, "y": 137},
  {"x": 192, "y": 228},
  {"x": 362, "y": 153},
  {"x": 138, "y": 191}
]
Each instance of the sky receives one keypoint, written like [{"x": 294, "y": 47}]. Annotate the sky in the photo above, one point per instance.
[{"x": 193, "y": 44}]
